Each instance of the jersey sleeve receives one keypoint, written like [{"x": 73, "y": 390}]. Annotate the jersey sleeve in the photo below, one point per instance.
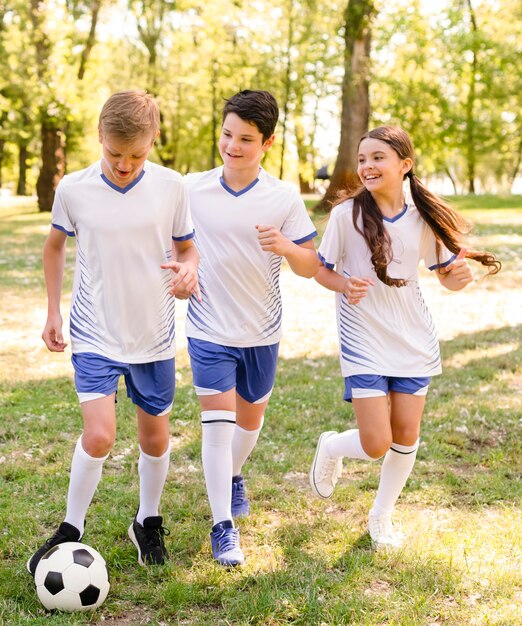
[
  {"x": 182, "y": 228},
  {"x": 331, "y": 250},
  {"x": 428, "y": 252},
  {"x": 60, "y": 217},
  {"x": 298, "y": 227}
]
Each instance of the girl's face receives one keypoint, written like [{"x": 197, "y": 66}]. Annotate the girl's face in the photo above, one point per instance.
[{"x": 380, "y": 167}]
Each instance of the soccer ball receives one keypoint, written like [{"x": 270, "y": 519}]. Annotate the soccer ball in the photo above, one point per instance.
[{"x": 72, "y": 577}]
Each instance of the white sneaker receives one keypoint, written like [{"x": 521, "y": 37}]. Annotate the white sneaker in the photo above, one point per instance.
[
  {"x": 382, "y": 532},
  {"x": 326, "y": 469}
]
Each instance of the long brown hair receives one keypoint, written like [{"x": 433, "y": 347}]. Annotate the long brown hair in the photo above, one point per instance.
[{"x": 447, "y": 225}]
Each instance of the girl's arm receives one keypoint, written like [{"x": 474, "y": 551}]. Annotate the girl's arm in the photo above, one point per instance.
[
  {"x": 457, "y": 274},
  {"x": 302, "y": 257},
  {"x": 355, "y": 288}
]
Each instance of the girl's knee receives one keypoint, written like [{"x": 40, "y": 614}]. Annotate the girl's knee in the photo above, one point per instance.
[
  {"x": 376, "y": 447},
  {"x": 406, "y": 436}
]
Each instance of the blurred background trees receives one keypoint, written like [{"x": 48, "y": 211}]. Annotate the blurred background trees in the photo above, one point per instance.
[{"x": 448, "y": 72}]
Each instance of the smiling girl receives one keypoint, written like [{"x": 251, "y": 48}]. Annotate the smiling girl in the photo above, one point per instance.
[{"x": 375, "y": 240}]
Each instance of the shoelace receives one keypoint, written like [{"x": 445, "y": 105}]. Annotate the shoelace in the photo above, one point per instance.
[
  {"x": 382, "y": 527},
  {"x": 155, "y": 535},
  {"x": 328, "y": 468},
  {"x": 228, "y": 540},
  {"x": 239, "y": 493}
]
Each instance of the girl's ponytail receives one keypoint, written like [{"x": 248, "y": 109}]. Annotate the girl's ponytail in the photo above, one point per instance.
[{"x": 447, "y": 225}]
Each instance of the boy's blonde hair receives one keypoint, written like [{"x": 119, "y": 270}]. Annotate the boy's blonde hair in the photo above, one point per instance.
[{"x": 128, "y": 114}]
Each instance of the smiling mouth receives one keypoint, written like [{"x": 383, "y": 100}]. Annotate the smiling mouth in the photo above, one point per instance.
[{"x": 372, "y": 177}]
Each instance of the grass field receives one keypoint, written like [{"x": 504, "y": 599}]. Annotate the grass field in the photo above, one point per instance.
[{"x": 309, "y": 562}]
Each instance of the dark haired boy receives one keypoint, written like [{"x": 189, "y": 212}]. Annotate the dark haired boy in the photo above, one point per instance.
[{"x": 245, "y": 221}]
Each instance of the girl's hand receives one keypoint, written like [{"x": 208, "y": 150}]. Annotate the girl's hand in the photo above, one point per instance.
[
  {"x": 357, "y": 288},
  {"x": 457, "y": 274}
]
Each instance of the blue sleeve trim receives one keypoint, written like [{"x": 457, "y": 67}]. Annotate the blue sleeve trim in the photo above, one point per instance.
[
  {"x": 438, "y": 265},
  {"x": 330, "y": 266},
  {"x": 184, "y": 238},
  {"x": 67, "y": 232},
  {"x": 307, "y": 238}
]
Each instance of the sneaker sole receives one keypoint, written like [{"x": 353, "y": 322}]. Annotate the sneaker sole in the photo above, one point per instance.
[
  {"x": 228, "y": 562},
  {"x": 135, "y": 542},
  {"x": 244, "y": 512},
  {"x": 312, "y": 470},
  {"x": 28, "y": 568}
]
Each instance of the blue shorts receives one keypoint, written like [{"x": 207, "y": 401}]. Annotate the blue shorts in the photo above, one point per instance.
[
  {"x": 216, "y": 369},
  {"x": 149, "y": 385},
  {"x": 373, "y": 386}
]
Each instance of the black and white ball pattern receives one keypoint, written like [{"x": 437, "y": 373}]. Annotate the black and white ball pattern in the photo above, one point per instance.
[{"x": 72, "y": 577}]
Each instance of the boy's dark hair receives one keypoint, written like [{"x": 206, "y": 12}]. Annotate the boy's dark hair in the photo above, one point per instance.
[{"x": 256, "y": 107}]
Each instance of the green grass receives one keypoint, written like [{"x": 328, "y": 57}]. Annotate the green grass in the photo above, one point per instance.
[{"x": 309, "y": 562}]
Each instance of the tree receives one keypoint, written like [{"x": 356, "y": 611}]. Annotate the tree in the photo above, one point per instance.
[{"x": 355, "y": 110}]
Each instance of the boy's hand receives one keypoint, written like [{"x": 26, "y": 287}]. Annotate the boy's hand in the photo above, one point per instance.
[
  {"x": 52, "y": 334},
  {"x": 185, "y": 281},
  {"x": 357, "y": 288},
  {"x": 271, "y": 239}
]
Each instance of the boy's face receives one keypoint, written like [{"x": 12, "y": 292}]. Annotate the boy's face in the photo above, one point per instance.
[
  {"x": 241, "y": 144},
  {"x": 123, "y": 159}
]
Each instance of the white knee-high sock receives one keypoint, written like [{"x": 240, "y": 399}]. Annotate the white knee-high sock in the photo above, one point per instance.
[
  {"x": 85, "y": 475},
  {"x": 243, "y": 443},
  {"x": 216, "y": 452},
  {"x": 397, "y": 466},
  {"x": 347, "y": 444},
  {"x": 153, "y": 474}
]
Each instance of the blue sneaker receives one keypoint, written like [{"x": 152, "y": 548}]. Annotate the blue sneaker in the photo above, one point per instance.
[
  {"x": 225, "y": 544},
  {"x": 240, "y": 503}
]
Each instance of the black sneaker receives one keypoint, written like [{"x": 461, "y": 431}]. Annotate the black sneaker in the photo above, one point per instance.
[
  {"x": 149, "y": 540},
  {"x": 66, "y": 532}
]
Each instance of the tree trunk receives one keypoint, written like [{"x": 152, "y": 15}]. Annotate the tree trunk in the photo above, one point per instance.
[
  {"x": 91, "y": 38},
  {"x": 2, "y": 144},
  {"x": 355, "y": 112},
  {"x": 53, "y": 164},
  {"x": 287, "y": 85},
  {"x": 470, "y": 106},
  {"x": 23, "y": 155}
]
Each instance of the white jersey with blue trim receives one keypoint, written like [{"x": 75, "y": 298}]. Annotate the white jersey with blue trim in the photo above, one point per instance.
[
  {"x": 241, "y": 305},
  {"x": 121, "y": 307},
  {"x": 391, "y": 331}
]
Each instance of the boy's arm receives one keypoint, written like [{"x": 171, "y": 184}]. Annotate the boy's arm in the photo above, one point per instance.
[
  {"x": 185, "y": 270},
  {"x": 302, "y": 257},
  {"x": 54, "y": 264}
]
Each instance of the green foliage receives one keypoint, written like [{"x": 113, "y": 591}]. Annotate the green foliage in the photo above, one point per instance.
[{"x": 193, "y": 54}]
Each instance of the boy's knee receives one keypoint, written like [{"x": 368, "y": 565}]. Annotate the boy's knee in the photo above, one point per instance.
[
  {"x": 155, "y": 445},
  {"x": 98, "y": 444}
]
